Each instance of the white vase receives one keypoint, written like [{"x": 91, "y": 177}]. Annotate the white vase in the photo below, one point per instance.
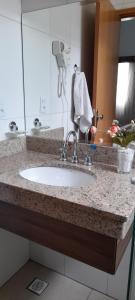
[{"x": 125, "y": 160}]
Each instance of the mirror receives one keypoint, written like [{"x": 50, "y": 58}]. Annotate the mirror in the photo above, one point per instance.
[
  {"x": 125, "y": 99},
  {"x": 54, "y": 41},
  {"x": 11, "y": 87}
]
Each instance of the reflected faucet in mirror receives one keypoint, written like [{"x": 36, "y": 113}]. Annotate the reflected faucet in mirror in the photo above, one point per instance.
[
  {"x": 38, "y": 127},
  {"x": 37, "y": 123},
  {"x": 13, "y": 132}
]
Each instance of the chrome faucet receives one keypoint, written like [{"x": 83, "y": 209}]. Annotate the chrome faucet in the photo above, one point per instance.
[
  {"x": 64, "y": 148},
  {"x": 75, "y": 156},
  {"x": 63, "y": 152}
]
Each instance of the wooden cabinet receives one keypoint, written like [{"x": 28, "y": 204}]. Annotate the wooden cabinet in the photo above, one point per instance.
[{"x": 95, "y": 249}]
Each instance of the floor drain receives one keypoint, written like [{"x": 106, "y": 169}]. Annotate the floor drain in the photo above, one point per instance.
[{"x": 37, "y": 286}]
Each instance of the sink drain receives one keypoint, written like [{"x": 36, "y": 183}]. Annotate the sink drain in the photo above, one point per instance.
[{"x": 37, "y": 286}]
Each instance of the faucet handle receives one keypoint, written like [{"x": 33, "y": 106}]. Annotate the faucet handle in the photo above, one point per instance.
[
  {"x": 63, "y": 153},
  {"x": 75, "y": 159},
  {"x": 88, "y": 160}
]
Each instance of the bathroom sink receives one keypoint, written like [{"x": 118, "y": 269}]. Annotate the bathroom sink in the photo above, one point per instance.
[{"x": 55, "y": 176}]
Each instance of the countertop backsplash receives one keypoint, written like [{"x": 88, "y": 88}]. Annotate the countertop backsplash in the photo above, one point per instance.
[{"x": 103, "y": 154}]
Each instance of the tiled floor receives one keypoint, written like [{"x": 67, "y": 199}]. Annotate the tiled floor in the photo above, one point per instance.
[
  {"x": 98, "y": 296},
  {"x": 59, "y": 288}
]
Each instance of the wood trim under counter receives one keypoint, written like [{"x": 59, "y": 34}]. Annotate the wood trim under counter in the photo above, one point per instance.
[{"x": 97, "y": 250}]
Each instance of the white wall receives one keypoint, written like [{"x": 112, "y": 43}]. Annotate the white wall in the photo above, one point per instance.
[
  {"x": 11, "y": 9},
  {"x": 41, "y": 71},
  {"x": 14, "y": 253},
  {"x": 127, "y": 38},
  {"x": 11, "y": 88}
]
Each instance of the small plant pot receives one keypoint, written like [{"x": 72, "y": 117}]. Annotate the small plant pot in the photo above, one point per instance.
[{"x": 125, "y": 160}]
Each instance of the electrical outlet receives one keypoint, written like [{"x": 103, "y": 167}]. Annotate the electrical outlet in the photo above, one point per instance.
[{"x": 42, "y": 105}]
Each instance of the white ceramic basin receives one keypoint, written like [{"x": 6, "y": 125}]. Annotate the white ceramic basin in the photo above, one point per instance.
[{"x": 58, "y": 176}]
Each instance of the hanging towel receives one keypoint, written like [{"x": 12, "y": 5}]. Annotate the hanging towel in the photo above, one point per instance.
[{"x": 82, "y": 104}]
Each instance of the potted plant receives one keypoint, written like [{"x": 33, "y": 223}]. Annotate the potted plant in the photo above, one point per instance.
[{"x": 122, "y": 138}]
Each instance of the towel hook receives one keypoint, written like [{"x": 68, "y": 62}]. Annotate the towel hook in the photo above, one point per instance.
[{"x": 76, "y": 68}]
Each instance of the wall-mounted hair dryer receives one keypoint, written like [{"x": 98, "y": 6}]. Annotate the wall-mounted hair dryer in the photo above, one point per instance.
[{"x": 58, "y": 50}]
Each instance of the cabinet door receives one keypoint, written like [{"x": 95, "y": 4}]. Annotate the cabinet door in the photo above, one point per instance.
[{"x": 105, "y": 65}]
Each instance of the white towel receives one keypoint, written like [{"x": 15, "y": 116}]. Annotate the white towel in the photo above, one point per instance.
[{"x": 83, "y": 110}]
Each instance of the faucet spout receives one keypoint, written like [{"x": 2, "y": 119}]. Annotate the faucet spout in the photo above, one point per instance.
[{"x": 75, "y": 156}]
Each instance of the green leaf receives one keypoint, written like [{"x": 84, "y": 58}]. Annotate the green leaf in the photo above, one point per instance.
[{"x": 124, "y": 140}]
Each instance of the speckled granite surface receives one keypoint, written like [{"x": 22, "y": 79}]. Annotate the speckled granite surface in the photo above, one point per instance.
[
  {"x": 9, "y": 147},
  {"x": 102, "y": 154},
  {"x": 106, "y": 206}
]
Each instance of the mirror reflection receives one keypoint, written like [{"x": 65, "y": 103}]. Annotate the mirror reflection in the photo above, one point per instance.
[
  {"x": 11, "y": 87},
  {"x": 58, "y": 43},
  {"x": 125, "y": 99}
]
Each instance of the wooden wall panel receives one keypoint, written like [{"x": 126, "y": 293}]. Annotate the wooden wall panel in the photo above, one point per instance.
[{"x": 105, "y": 65}]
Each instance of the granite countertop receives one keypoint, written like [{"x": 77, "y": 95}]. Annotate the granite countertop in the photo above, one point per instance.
[{"x": 106, "y": 206}]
